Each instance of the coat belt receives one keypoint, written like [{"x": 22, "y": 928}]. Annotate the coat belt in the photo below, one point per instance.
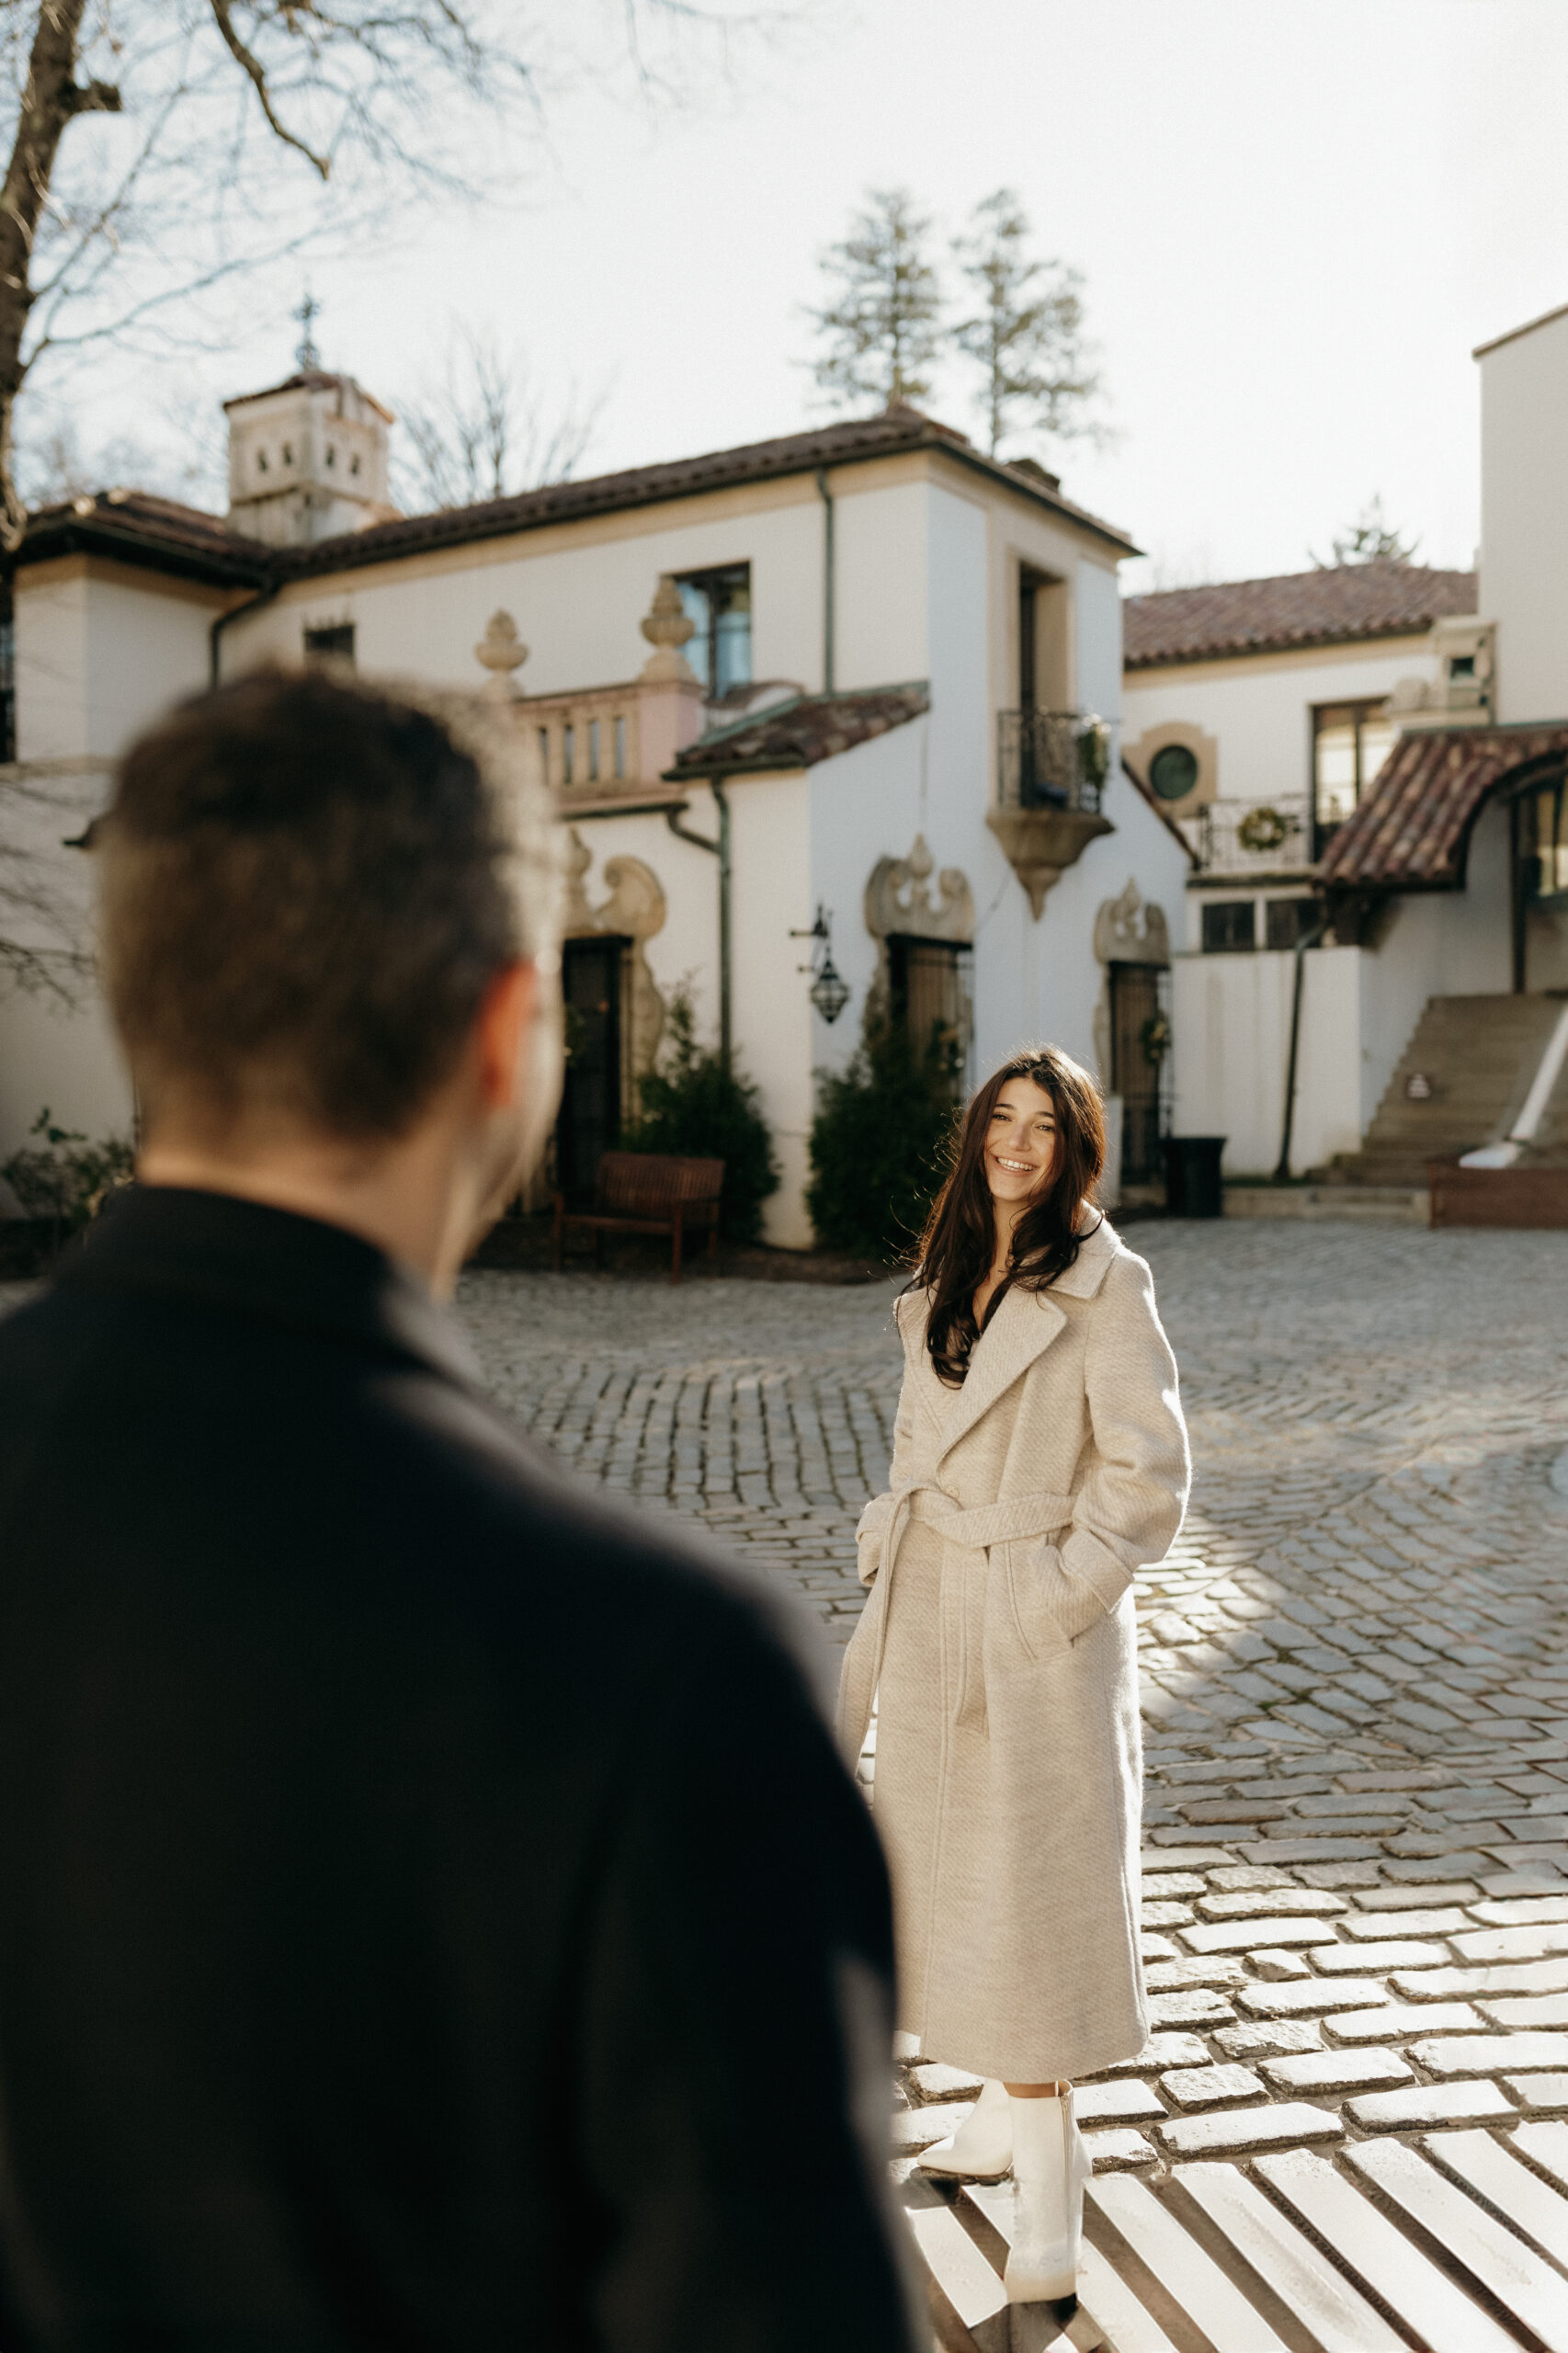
[
  {"x": 930, "y": 1505},
  {"x": 1016, "y": 1518}
]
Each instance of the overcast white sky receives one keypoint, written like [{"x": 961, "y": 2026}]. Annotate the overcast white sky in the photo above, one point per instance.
[{"x": 1295, "y": 218}]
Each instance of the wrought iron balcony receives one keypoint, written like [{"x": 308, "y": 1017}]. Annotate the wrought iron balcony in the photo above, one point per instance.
[
  {"x": 1051, "y": 759},
  {"x": 1240, "y": 837},
  {"x": 1050, "y": 771}
]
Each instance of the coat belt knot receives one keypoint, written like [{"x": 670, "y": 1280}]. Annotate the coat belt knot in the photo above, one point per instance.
[{"x": 1012, "y": 1519}]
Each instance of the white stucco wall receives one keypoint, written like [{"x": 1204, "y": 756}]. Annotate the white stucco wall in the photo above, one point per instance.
[
  {"x": 1232, "y": 1017},
  {"x": 1259, "y": 706},
  {"x": 100, "y": 652},
  {"x": 1524, "y": 517},
  {"x": 772, "y": 1012},
  {"x": 1231, "y": 1020},
  {"x": 865, "y": 804},
  {"x": 100, "y": 656},
  {"x": 576, "y": 592}
]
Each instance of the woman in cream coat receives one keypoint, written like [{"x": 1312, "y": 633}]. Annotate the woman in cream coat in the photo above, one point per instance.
[{"x": 1039, "y": 1459}]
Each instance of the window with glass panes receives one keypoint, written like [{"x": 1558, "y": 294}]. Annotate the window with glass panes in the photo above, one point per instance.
[
  {"x": 719, "y": 602},
  {"x": 1350, "y": 743}
]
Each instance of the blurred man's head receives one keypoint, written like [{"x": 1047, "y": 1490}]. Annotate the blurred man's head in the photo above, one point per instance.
[{"x": 327, "y": 922}]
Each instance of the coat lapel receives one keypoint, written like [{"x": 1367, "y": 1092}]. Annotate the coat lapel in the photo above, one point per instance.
[
  {"x": 1022, "y": 1328},
  {"x": 1026, "y": 1322}
]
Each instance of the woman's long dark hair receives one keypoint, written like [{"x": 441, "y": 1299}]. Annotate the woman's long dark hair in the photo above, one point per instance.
[{"x": 960, "y": 1240}]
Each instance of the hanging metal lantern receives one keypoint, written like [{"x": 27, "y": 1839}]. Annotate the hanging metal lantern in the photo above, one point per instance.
[{"x": 829, "y": 991}]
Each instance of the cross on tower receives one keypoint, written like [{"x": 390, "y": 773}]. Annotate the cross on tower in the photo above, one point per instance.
[{"x": 307, "y": 354}]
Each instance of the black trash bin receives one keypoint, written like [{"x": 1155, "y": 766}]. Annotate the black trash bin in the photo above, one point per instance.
[{"x": 1192, "y": 1175}]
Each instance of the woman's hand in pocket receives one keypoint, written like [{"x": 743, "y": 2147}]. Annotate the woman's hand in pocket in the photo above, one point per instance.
[{"x": 1071, "y": 1607}]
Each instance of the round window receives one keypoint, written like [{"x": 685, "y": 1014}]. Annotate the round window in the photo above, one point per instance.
[{"x": 1173, "y": 771}]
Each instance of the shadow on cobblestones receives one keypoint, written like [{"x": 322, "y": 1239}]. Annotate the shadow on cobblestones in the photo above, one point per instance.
[{"x": 1356, "y": 1702}]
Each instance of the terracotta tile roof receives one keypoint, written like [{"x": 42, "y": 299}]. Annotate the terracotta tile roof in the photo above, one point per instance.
[
  {"x": 314, "y": 379},
  {"x": 849, "y": 442},
  {"x": 893, "y": 433},
  {"x": 799, "y": 733},
  {"x": 138, "y": 527},
  {"x": 1413, "y": 830},
  {"x": 1329, "y": 607}
]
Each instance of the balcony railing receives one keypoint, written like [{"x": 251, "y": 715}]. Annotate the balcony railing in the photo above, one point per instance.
[
  {"x": 1239, "y": 838},
  {"x": 1051, "y": 759}
]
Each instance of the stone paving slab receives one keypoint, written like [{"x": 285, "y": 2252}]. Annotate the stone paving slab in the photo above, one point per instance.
[{"x": 1356, "y": 1717}]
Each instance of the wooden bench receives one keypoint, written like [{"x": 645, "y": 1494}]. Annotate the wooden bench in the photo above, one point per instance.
[{"x": 647, "y": 1192}]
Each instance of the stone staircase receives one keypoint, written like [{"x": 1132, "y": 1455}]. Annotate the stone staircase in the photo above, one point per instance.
[{"x": 1477, "y": 1055}]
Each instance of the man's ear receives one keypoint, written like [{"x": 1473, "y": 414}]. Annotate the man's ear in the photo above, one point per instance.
[{"x": 505, "y": 1012}]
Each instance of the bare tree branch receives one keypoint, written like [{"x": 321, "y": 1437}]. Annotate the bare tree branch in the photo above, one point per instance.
[
  {"x": 485, "y": 433},
  {"x": 223, "y": 16}
]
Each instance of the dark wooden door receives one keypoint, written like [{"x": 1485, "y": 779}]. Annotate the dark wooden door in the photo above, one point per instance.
[
  {"x": 1134, "y": 1001},
  {"x": 589, "y": 1122}
]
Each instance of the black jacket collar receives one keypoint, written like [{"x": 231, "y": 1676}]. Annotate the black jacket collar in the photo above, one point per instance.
[{"x": 266, "y": 1264}]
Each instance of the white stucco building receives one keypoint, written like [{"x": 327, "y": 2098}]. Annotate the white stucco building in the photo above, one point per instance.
[
  {"x": 883, "y": 690},
  {"x": 1370, "y": 765}
]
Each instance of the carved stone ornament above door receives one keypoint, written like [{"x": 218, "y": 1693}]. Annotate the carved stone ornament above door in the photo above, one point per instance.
[
  {"x": 899, "y": 901},
  {"x": 898, "y": 898},
  {"x": 634, "y": 910},
  {"x": 1128, "y": 930}
]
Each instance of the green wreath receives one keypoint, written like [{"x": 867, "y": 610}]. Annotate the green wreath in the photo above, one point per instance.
[
  {"x": 1263, "y": 829},
  {"x": 1155, "y": 1037}
]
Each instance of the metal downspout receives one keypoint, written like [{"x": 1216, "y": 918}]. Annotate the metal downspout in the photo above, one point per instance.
[
  {"x": 1308, "y": 939},
  {"x": 220, "y": 622},
  {"x": 829, "y": 570},
  {"x": 721, "y": 850}
]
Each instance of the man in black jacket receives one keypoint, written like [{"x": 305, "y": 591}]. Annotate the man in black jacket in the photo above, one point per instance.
[{"x": 430, "y": 1907}]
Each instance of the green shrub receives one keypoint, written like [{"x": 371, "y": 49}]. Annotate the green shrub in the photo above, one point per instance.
[
  {"x": 64, "y": 1177},
  {"x": 879, "y": 1144},
  {"x": 692, "y": 1107}
]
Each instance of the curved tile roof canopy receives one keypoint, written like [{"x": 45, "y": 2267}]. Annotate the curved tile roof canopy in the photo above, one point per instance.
[{"x": 1413, "y": 830}]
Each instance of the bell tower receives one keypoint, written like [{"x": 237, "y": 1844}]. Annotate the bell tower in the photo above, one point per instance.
[{"x": 308, "y": 458}]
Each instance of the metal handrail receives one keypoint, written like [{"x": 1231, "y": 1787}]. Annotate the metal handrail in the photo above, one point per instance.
[{"x": 1049, "y": 759}]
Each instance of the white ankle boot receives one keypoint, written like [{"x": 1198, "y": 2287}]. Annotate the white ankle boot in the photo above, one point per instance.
[
  {"x": 1050, "y": 2165},
  {"x": 981, "y": 2148}
]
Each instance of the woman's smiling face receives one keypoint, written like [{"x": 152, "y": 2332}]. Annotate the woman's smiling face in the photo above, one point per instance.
[{"x": 1020, "y": 1148}]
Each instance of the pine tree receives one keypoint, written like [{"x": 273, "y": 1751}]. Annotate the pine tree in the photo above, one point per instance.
[
  {"x": 881, "y": 328},
  {"x": 1026, "y": 331},
  {"x": 1371, "y": 539}
]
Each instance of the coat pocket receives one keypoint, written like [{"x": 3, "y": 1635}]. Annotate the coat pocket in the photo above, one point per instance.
[{"x": 1049, "y": 1611}]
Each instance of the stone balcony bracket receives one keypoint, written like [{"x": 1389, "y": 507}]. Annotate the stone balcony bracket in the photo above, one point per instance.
[{"x": 1039, "y": 845}]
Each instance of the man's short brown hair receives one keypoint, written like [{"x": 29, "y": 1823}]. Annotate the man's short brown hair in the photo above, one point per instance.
[{"x": 307, "y": 885}]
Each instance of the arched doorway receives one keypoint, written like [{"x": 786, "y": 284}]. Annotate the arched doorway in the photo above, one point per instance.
[{"x": 1539, "y": 861}]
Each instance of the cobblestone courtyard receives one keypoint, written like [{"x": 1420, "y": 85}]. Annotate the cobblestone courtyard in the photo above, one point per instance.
[{"x": 1348, "y": 2129}]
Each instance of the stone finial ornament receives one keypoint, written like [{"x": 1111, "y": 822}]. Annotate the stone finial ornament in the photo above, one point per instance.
[
  {"x": 501, "y": 651},
  {"x": 667, "y": 626}
]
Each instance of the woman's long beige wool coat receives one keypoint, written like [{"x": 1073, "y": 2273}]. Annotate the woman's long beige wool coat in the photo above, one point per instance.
[{"x": 1009, "y": 1766}]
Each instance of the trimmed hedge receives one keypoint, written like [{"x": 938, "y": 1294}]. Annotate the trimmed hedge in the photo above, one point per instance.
[{"x": 879, "y": 1145}]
